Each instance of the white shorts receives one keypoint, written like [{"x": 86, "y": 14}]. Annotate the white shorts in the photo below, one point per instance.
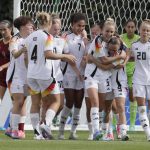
[
  {"x": 72, "y": 82},
  {"x": 141, "y": 91},
  {"x": 102, "y": 86},
  {"x": 61, "y": 87},
  {"x": 45, "y": 87},
  {"x": 120, "y": 92},
  {"x": 18, "y": 88}
]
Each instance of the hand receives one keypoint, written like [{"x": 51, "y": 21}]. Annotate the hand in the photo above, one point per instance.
[
  {"x": 23, "y": 49},
  {"x": 120, "y": 66},
  {"x": 70, "y": 58},
  {"x": 89, "y": 58},
  {"x": 81, "y": 77},
  {"x": 1, "y": 68}
]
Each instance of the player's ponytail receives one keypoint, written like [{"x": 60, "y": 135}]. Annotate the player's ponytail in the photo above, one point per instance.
[{"x": 44, "y": 19}]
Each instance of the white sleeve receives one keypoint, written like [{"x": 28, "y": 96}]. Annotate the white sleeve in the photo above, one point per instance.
[
  {"x": 48, "y": 43},
  {"x": 13, "y": 45},
  {"x": 96, "y": 50},
  {"x": 66, "y": 47}
]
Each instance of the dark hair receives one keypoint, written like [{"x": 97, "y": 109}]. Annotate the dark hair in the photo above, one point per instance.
[
  {"x": 114, "y": 40},
  {"x": 77, "y": 17},
  {"x": 22, "y": 21},
  {"x": 100, "y": 24},
  {"x": 130, "y": 20},
  {"x": 7, "y": 22}
]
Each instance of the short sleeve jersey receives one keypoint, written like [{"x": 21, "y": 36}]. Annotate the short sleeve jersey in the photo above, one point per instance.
[
  {"x": 37, "y": 43},
  {"x": 141, "y": 53},
  {"x": 98, "y": 50}
]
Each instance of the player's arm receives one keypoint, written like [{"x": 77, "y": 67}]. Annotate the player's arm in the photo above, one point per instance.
[
  {"x": 13, "y": 47},
  {"x": 65, "y": 57},
  {"x": 98, "y": 63},
  {"x": 108, "y": 60},
  {"x": 2, "y": 67}
]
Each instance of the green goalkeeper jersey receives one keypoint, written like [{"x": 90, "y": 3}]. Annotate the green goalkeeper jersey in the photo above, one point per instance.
[{"x": 130, "y": 65}]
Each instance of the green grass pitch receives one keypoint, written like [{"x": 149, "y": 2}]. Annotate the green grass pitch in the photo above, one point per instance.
[{"x": 137, "y": 142}]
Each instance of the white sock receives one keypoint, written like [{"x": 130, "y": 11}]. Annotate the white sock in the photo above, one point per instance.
[
  {"x": 22, "y": 119},
  {"x": 15, "y": 121},
  {"x": 144, "y": 119},
  {"x": 50, "y": 114},
  {"x": 105, "y": 127},
  {"x": 123, "y": 129},
  {"x": 110, "y": 129},
  {"x": 76, "y": 118},
  {"x": 90, "y": 127},
  {"x": 95, "y": 118},
  {"x": 64, "y": 115},
  {"x": 101, "y": 118}
]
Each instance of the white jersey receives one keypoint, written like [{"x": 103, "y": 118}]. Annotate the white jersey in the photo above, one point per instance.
[
  {"x": 60, "y": 46},
  {"x": 119, "y": 78},
  {"x": 76, "y": 47},
  {"x": 37, "y": 43},
  {"x": 17, "y": 69},
  {"x": 141, "y": 53},
  {"x": 97, "y": 49}
]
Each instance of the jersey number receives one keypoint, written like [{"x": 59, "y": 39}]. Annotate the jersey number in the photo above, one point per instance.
[
  {"x": 79, "y": 46},
  {"x": 34, "y": 54},
  {"x": 141, "y": 55}
]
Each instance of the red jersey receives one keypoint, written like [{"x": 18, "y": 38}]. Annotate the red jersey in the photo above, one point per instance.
[{"x": 4, "y": 58}]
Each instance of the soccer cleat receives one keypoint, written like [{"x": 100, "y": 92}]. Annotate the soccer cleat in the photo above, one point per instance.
[
  {"x": 118, "y": 131},
  {"x": 110, "y": 137},
  {"x": 21, "y": 134},
  {"x": 8, "y": 131},
  {"x": 97, "y": 136},
  {"x": 38, "y": 137},
  {"x": 90, "y": 137},
  {"x": 15, "y": 134},
  {"x": 73, "y": 136},
  {"x": 46, "y": 131},
  {"x": 61, "y": 137},
  {"x": 125, "y": 137}
]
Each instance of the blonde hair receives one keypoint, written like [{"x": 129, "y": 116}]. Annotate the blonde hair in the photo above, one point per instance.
[
  {"x": 44, "y": 19},
  {"x": 110, "y": 21},
  {"x": 56, "y": 19}
]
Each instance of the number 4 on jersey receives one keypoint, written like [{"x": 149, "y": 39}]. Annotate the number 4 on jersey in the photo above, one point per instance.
[{"x": 34, "y": 54}]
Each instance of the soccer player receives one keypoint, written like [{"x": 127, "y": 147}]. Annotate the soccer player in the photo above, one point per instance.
[
  {"x": 96, "y": 30},
  {"x": 40, "y": 74},
  {"x": 5, "y": 31},
  {"x": 119, "y": 86},
  {"x": 17, "y": 75},
  {"x": 73, "y": 81},
  {"x": 98, "y": 83},
  {"x": 128, "y": 38},
  {"x": 141, "y": 79}
]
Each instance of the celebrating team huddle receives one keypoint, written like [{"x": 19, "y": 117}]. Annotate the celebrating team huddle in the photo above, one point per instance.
[{"x": 59, "y": 70}]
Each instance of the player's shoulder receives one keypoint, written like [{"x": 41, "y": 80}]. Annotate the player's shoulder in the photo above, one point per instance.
[{"x": 136, "y": 42}]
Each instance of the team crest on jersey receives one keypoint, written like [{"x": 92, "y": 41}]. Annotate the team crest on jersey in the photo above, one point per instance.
[
  {"x": 136, "y": 48},
  {"x": 142, "y": 111}
]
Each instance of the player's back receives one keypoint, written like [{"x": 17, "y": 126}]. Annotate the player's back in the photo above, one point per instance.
[{"x": 37, "y": 43}]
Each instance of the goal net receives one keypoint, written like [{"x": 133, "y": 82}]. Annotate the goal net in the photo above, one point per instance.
[{"x": 95, "y": 10}]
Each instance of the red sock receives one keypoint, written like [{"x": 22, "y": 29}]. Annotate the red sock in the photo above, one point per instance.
[{"x": 21, "y": 126}]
